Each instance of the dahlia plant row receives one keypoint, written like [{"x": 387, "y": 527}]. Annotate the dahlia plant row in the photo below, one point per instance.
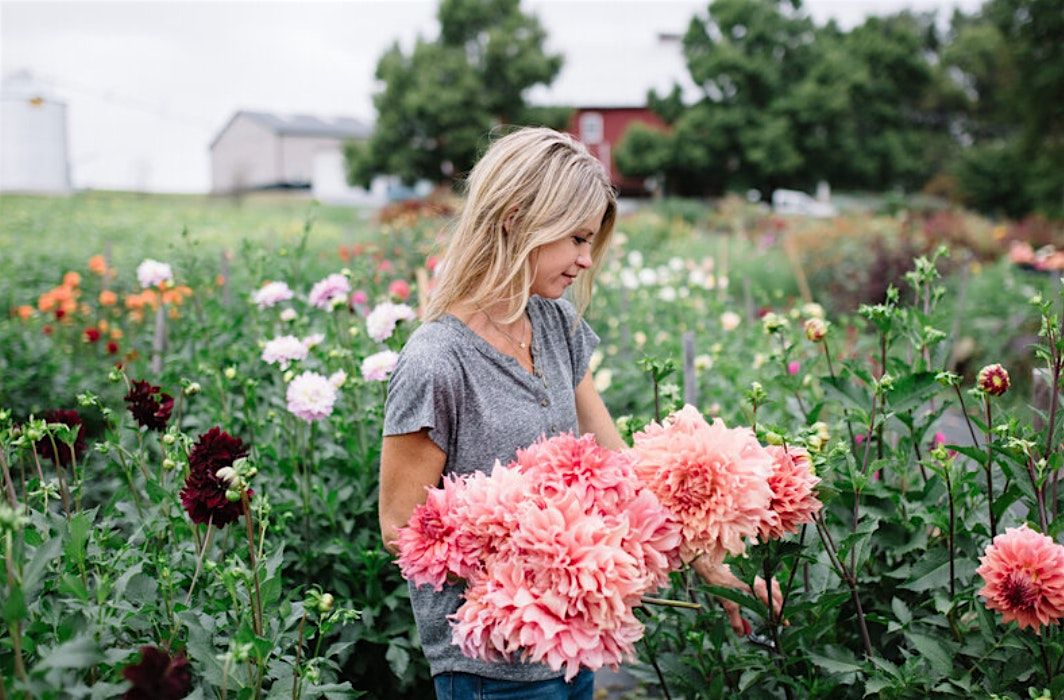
[{"x": 189, "y": 490}]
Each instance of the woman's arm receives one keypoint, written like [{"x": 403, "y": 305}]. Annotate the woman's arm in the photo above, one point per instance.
[
  {"x": 410, "y": 463},
  {"x": 592, "y": 416}
]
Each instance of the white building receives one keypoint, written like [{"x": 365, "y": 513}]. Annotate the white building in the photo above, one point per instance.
[
  {"x": 258, "y": 150},
  {"x": 33, "y": 138}
]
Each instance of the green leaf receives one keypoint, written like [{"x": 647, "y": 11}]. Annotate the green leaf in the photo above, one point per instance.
[
  {"x": 78, "y": 536},
  {"x": 80, "y": 652},
  {"x": 932, "y": 650},
  {"x": 836, "y": 665},
  {"x": 901, "y": 611},
  {"x": 912, "y": 390},
  {"x": 398, "y": 658},
  {"x": 15, "y": 606}
]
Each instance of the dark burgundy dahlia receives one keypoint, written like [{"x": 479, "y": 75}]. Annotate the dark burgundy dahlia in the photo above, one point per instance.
[
  {"x": 158, "y": 676},
  {"x": 72, "y": 419},
  {"x": 149, "y": 405},
  {"x": 204, "y": 493}
]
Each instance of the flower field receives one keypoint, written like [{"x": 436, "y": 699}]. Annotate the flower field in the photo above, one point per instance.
[{"x": 191, "y": 405}]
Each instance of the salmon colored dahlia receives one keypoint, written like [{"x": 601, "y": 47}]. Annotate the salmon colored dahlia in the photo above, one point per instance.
[
  {"x": 1023, "y": 573},
  {"x": 713, "y": 479},
  {"x": 794, "y": 500}
]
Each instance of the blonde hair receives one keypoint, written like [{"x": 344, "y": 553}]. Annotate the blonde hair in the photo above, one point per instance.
[{"x": 532, "y": 187}]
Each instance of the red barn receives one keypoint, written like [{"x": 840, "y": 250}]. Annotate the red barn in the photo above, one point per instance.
[{"x": 601, "y": 129}]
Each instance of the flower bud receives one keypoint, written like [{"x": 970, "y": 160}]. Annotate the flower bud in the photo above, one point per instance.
[
  {"x": 228, "y": 475},
  {"x": 114, "y": 376},
  {"x": 169, "y": 464},
  {"x": 325, "y": 603},
  {"x": 192, "y": 388},
  {"x": 288, "y": 376},
  {"x": 169, "y": 439},
  {"x": 230, "y": 372},
  {"x": 815, "y": 329},
  {"x": 232, "y": 495},
  {"x": 993, "y": 380}
]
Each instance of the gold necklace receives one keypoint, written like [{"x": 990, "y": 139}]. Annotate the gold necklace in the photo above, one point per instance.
[{"x": 514, "y": 342}]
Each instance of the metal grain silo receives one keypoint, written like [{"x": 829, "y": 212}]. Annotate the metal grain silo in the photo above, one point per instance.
[{"x": 33, "y": 138}]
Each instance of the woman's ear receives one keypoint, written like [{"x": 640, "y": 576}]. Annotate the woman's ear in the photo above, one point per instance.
[{"x": 509, "y": 221}]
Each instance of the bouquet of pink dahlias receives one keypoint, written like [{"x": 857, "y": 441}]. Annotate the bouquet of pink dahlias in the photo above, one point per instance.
[
  {"x": 713, "y": 479},
  {"x": 556, "y": 549}
]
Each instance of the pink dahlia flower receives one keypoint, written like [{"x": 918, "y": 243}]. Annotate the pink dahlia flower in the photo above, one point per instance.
[
  {"x": 271, "y": 294},
  {"x": 324, "y": 293},
  {"x": 434, "y": 546},
  {"x": 556, "y": 549},
  {"x": 311, "y": 396},
  {"x": 714, "y": 479},
  {"x": 1023, "y": 573},
  {"x": 400, "y": 289},
  {"x": 379, "y": 366},
  {"x": 284, "y": 350},
  {"x": 380, "y": 324},
  {"x": 794, "y": 501}
]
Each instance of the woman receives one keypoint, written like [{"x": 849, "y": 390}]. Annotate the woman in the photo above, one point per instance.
[{"x": 500, "y": 359}]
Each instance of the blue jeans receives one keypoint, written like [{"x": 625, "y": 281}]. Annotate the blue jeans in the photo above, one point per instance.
[{"x": 467, "y": 686}]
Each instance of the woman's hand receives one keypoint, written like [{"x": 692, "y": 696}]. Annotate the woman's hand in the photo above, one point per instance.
[{"x": 721, "y": 575}]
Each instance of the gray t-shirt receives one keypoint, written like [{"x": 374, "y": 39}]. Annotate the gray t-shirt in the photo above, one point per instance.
[{"x": 481, "y": 405}]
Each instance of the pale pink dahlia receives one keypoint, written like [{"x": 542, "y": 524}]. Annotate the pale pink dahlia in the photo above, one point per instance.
[
  {"x": 794, "y": 501},
  {"x": 380, "y": 324},
  {"x": 379, "y": 366},
  {"x": 284, "y": 350},
  {"x": 324, "y": 294},
  {"x": 152, "y": 273},
  {"x": 311, "y": 396},
  {"x": 1023, "y": 572},
  {"x": 713, "y": 479},
  {"x": 567, "y": 464},
  {"x": 271, "y": 294}
]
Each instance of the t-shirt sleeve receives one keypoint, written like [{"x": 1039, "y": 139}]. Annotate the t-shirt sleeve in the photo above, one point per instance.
[
  {"x": 421, "y": 394},
  {"x": 582, "y": 340}
]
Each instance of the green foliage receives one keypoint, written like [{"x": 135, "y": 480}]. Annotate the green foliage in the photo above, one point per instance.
[
  {"x": 123, "y": 571},
  {"x": 438, "y": 102}
]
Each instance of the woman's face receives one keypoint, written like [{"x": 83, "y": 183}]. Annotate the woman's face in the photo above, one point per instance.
[{"x": 556, "y": 265}]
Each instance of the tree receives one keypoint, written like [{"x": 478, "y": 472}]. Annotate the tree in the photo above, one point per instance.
[{"x": 438, "y": 102}]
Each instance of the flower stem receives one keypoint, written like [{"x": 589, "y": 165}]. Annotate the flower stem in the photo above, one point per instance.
[
  {"x": 59, "y": 473},
  {"x": 848, "y": 577},
  {"x": 952, "y": 525},
  {"x": 648, "y": 600},
  {"x": 199, "y": 560},
  {"x": 299, "y": 651},
  {"x": 15, "y": 628},
  {"x": 9, "y": 485},
  {"x": 990, "y": 469},
  {"x": 256, "y": 602}
]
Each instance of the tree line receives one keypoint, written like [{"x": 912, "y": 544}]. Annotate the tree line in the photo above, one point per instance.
[{"x": 971, "y": 108}]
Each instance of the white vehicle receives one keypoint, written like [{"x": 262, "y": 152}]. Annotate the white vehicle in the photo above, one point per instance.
[{"x": 799, "y": 203}]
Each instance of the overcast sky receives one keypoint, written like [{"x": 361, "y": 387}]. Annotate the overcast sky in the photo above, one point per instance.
[{"x": 149, "y": 84}]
